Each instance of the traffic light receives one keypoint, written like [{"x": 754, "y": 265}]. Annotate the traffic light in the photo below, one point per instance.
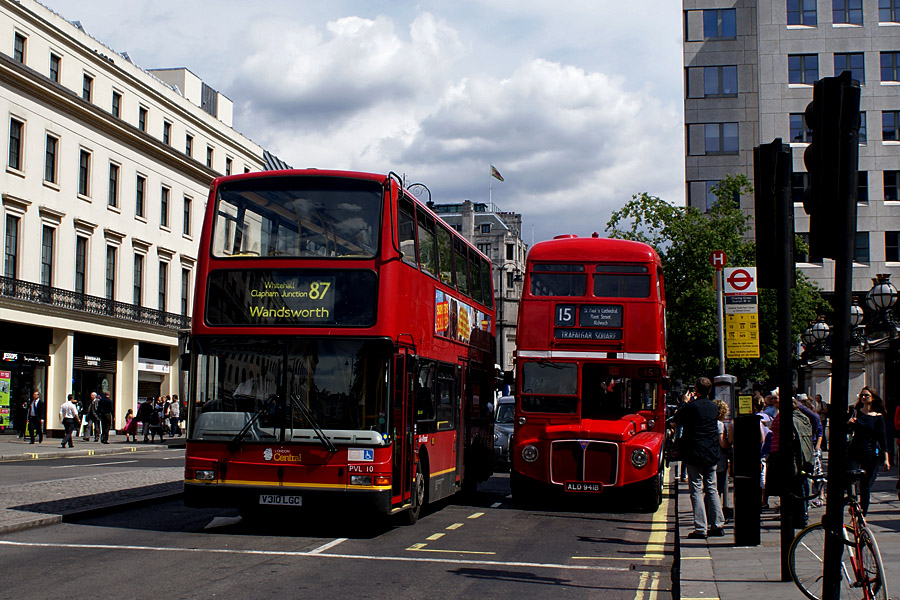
[
  {"x": 831, "y": 160},
  {"x": 773, "y": 215}
]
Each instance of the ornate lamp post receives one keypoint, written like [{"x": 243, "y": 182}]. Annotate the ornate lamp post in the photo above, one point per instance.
[
  {"x": 881, "y": 299},
  {"x": 857, "y": 332}
]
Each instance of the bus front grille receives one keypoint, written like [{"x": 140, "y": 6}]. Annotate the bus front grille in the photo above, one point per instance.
[{"x": 583, "y": 460}]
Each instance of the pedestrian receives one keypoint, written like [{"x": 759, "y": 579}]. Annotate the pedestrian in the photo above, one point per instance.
[
  {"x": 21, "y": 416},
  {"x": 93, "y": 417},
  {"x": 174, "y": 417},
  {"x": 725, "y": 438},
  {"x": 868, "y": 444},
  {"x": 700, "y": 452},
  {"x": 771, "y": 408},
  {"x": 85, "y": 420},
  {"x": 36, "y": 418},
  {"x": 156, "y": 420},
  {"x": 130, "y": 426},
  {"x": 68, "y": 414},
  {"x": 822, "y": 407},
  {"x": 104, "y": 416},
  {"x": 145, "y": 411}
]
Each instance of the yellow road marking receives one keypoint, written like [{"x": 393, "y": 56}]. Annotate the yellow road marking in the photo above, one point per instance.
[
  {"x": 476, "y": 515},
  {"x": 435, "y": 536},
  {"x": 454, "y": 526},
  {"x": 417, "y": 546},
  {"x": 420, "y": 549}
]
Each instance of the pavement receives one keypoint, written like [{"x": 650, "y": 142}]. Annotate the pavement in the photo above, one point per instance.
[
  {"x": 27, "y": 505},
  {"x": 717, "y": 568},
  {"x": 709, "y": 569}
]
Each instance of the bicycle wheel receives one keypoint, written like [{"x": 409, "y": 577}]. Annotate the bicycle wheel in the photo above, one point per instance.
[
  {"x": 871, "y": 567},
  {"x": 807, "y": 562}
]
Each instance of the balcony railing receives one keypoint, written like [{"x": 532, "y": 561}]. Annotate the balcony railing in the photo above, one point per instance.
[{"x": 51, "y": 296}]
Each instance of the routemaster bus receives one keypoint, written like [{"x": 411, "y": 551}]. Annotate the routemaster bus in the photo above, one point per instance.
[
  {"x": 590, "y": 370},
  {"x": 341, "y": 349}
]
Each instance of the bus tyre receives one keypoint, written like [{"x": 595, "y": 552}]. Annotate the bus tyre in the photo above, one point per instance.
[
  {"x": 417, "y": 499},
  {"x": 651, "y": 492}
]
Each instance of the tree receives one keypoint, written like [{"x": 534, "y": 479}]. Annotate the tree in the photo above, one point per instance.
[{"x": 684, "y": 238}]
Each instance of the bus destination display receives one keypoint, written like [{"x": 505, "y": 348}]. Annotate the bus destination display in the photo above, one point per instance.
[
  {"x": 594, "y": 322},
  {"x": 291, "y": 297}
]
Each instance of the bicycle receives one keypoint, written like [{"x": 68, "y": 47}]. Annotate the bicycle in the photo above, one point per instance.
[{"x": 861, "y": 567}]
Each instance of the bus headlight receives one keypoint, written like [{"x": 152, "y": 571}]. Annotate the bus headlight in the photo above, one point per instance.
[
  {"x": 360, "y": 480},
  {"x": 529, "y": 453},
  {"x": 640, "y": 458},
  {"x": 204, "y": 475}
]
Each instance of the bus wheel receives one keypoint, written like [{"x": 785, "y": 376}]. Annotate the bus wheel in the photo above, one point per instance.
[
  {"x": 417, "y": 499},
  {"x": 651, "y": 492}
]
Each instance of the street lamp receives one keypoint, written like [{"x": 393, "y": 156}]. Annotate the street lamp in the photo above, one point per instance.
[
  {"x": 857, "y": 331},
  {"x": 815, "y": 335},
  {"x": 883, "y": 294}
]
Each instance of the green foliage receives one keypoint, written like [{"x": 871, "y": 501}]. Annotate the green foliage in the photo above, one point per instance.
[{"x": 684, "y": 238}]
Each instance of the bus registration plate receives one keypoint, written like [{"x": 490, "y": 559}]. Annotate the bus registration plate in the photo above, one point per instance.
[
  {"x": 281, "y": 500},
  {"x": 584, "y": 486}
]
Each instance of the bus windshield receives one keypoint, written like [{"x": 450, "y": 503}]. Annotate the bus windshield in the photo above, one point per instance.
[
  {"x": 297, "y": 217},
  {"x": 549, "y": 387},
  {"x": 342, "y": 383}
]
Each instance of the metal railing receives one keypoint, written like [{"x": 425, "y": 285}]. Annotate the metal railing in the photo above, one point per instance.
[{"x": 51, "y": 296}]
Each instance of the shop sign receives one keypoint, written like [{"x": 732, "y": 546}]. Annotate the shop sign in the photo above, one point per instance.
[
  {"x": 92, "y": 361},
  {"x": 154, "y": 366},
  {"x": 25, "y": 359}
]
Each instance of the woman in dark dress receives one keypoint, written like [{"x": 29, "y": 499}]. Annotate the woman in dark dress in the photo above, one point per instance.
[{"x": 868, "y": 448}]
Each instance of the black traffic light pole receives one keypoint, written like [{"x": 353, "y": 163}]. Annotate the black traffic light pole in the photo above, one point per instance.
[{"x": 847, "y": 94}]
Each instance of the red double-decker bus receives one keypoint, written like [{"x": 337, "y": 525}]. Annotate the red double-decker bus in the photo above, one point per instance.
[
  {"x": 591, "y": 367},
  {"x": 341, "y": 348}
]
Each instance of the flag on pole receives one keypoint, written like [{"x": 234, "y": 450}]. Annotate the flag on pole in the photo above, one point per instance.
[{"x": 495, "y": 173}]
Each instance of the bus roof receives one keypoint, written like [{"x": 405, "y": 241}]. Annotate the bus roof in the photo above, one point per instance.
[{"x": 592, "y": 249}]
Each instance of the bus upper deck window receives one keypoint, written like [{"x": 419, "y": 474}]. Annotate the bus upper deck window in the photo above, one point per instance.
[
  {"x": 622, "y": 281},
  {"x": 558, "y": 280}
]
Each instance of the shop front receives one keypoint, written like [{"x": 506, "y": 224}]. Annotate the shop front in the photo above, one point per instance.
[
  {"x": 21, "y": 374},
  {"x": 93, "y": 367}
]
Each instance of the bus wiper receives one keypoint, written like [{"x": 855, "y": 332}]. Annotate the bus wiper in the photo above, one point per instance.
[
  {"x": 295, "y": 400},
  {"x": 235, "y": 443}
]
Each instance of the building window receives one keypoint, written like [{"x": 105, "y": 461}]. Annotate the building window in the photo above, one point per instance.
[
  {"x": 52, "y": 146},
  {"x": 889, "y": 11},
  {"x": 47, "y": 256},
  {"x": 228, "y": 162},
  {"x": 801, "y": 12},
  {"x": 485, "y": 249},
  {"x": 164, "y": 207},
  {"x": 862, "y": 187},
  {"x": 847, "y": 12},
  {"x": 87, "y": 87},
  {"x": 19, "y": 48},
  {"x": 11, "y": 247},
  {"x": 891, "y": 185},
  {"x": 186, "y": 222},
  {"x": 890, "y": 125},
  {"x": 510, "y": 252},
  {"x": 116, "y": 104},
  {"x": 209, "y": 157},
  {"x": 55, "y": 64},
  {"x": 167, "y": 133},
  {"x": 185, "y": 290},
  {"x": 862, "y": 128},
  {"x": 892, "y": 246},
  {"x": 110, "y": 272},
  {"x": 720, "y": 23},
  {"x": 142, "y": 118},
  {"x": 861, "y": 247},
  {"x": 853, "y": 62},
  {"x": 721, "y": 138},
  {"x": 803, "y": 68},
  {"x": 138, "y": 279},
  {"x": 113, "y": 185},
  {"x": 16, "y": 129},
  {"x": 189, "y": 145},
  {"x": 799, "y": 131},
  {"x": 80, "y": 263},
  {"x": 720, "y": 81},
  {"x": 140, "y": 188},
  {"x": 163, "y": 285},
  {"x": 485, "y": 228},
  {"x": 84, "y": 173},
  {"x": 890, "y": 61},
  {"x": 798, "y": 186}
]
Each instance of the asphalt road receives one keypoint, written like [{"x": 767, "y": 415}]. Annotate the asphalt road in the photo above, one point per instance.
[
  {"x": 488, "y": 548},
  {"x": 29, "y": 471}
]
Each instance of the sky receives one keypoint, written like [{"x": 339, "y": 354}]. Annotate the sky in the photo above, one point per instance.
[{"x": 578, "y": 104}]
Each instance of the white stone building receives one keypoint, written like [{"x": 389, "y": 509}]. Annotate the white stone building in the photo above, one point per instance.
[{"x": 107, "y": 170}]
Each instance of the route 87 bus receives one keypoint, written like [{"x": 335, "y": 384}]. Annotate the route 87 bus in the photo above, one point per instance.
[
  {"x": 341, "y": 349},
  {"x": 590, "y": 366}
]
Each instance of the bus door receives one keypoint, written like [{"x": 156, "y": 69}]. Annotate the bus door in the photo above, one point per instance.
[
  {"x": 461, "y": 428},
  {"x": 402, "y": 419}
]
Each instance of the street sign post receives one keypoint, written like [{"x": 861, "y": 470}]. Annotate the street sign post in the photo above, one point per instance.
[{"x": 741, "y": 313}]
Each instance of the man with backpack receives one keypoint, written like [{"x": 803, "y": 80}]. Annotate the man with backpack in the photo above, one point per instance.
[{"x": 801, "y": 449}]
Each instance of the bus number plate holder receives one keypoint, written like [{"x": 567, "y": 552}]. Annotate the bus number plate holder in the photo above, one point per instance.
[
  {"x": 593, "y": 487},
  {"x": 276, "y": 500}
]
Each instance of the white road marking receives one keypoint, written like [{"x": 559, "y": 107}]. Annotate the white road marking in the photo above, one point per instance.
[
  {"x": 412, "y": 559},
  {"x": 496, "y": 505},
  {"x": 328, "y": 546},
  {"x": 222, "y": 522},
  {"x": 103, "y": 464}
]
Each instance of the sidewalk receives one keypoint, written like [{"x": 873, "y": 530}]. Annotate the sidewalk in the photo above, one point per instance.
[
  {"x": 716, "y": 568},
  {"x": 28, "y": 505}
]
